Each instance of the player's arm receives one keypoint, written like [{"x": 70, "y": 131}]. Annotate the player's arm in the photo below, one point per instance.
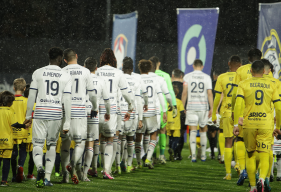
[
  {"x": 171, "y": 90},
  {"x": 215, "y": 105},
  {"x": 31, "y": 98},
  {"x": 126, "y": 93},
  {"x": 234, "y": 90},
  {"x": 92, "y": 93},
  {"x": 162, "y": 102},
  {"x": 105, "y": 96},
  {"x": 239, "y": 106},
  {"x": 168, "y": 96},
  {"x": 184, "y": 93},
  {"x": 66, "y": 99},
  {"x": 210, "y": 99},
  {"x": 277, "y": 106}
]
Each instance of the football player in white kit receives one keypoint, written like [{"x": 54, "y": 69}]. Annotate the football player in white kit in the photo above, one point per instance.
[
  {"x": 93, "y": 123},
  {"x": 197, "y": 92},
  {"x": 81, "y": 84},
  {"x": 52, "y": 86},
  {"x": 114, "y": 80},
  {"x": 150, "y": 123}
]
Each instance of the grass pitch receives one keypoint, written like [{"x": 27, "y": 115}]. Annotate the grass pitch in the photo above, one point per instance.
[{"x": 174, "y": 176}]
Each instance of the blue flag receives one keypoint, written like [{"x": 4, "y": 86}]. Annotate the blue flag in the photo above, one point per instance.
[
  {"x": 196, "y": 37},
  {"x": 124, "y": 36},
  {"x": 268, "y": 38}
]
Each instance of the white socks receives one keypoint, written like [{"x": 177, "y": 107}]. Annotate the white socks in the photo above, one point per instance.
[
  {"x": 150, "y": 150},
  {"x": 123, "y": 143},
  {"x": 117, "y": 158},
  {"x": 138, "y": 151},
  {"x": 130, "y": 149},
  {"x": 96, "y": 155},
  {"x": 102, "y": 148},
  {"x": 65, "y": 153},
  {"x": 192, "y": 142},
  {"x": 278, "y": 167},
  {"x": 50, "y": 161},
  {"x": 203, "y": 143},
  {"x": 77, "y": 153},
  {"x": 115, "y": 140},
  {"x": 108, "y": 156},
  {"x": 87, "y": 160},
  {"x": 38, "y": 156},
  {"x": 146, "y": 143}
]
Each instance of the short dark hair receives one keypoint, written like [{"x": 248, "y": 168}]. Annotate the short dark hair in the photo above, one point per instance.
[
  {"x": 257, "y": 67},
  {"x": 198, "y": 63},
  {"x": 108, "y": 57},
  {"x": 144, "y": 66},
  {"x": 128, "y": 63},
  {"x": 69, "y": 54},
  {"x": 254, "y": 54},
  {"x": 154, "y": 60},
  {"x": 235, "y": 59},
  {"x": 91, "y": 64},
  {"x": 268, "y": 65},
  {"x": 26, "y": 91},
  {"x": 176, "y": 89},
  {"x": 55, "y": 52},
  {"x": 177, "y": 73},
  {"x": 6, "y": 98}
]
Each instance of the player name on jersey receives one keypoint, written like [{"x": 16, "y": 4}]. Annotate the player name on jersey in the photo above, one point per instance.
[
  {"x": 75, "y": 72},
  {"x": 107, "y": 74},
  {"x": 262, "y": 85},
  {"x": 51, "y": 74}
]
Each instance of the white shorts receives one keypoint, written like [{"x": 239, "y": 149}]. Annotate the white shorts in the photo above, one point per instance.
[
  {"x": 158, "y": 120},
  {"x": 150, "y": 125},
  {"x": 45, "y": 130},
  {"x": 108, "y": 128},
  {"x": 78, "y": 129},
  {"x": 194, "y": 118},
  {"x": 119, "y": 123},
  {"x": 92, "y": 128},
  {"x": 130, "y": 127}
]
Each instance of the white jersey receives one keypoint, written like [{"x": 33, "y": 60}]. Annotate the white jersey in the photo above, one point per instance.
[
  {"x": 101, "y": 92},
  {"x": 198, "y": 84},
  {"x": 153, "y": 89},
  {"x": 81, "y": 83},
  {"x": 50, "y": 82},
  {"x": 114, "y": 80}
]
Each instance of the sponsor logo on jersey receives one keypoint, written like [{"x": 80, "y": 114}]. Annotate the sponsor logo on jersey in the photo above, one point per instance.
[
  {"x": 271, "y": 49},
  {"x": 257, "y": 114},
  {"x": 49, "y": 101},
  {"x": 120, "y": 49},
  {"x": 77, "y": 98},
  {"x": 2, "y": 140}
]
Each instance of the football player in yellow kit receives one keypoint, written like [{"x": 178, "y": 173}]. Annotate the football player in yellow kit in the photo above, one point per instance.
[
  {"x": 243, "y": 73},
  {"x": 258, "y": 94},
  {"x": 224, "y": 85}
]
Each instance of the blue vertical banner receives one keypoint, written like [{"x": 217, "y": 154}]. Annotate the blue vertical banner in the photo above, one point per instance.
[
  {"x": 196, "y": 37},
  {"x": 268, "y": 34},
  {"x": 124, "y": 36}
]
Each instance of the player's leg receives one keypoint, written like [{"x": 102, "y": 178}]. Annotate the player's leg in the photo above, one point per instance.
[
  {"x": 192, "y": 120},
  {"x": 5, "y": 156},
  {"x": 30, "y": 175},
  {"x": 203, "y": 142},
  {"x": 51, "y": 141},
  {"x": 14, "y": 161},
  {"x": 138, "y": 148},
  {"x": 221, "y": 143},
  {"x": 39, "y": 130},
  {"x": 130, "y": 149},
  {"x": 65, "y": 155},
  {"x": 21, "y": 160},
  {"x": 241, "y": 156},
  {"x": 118, "y": 152},
  {"x": 264, "y": 140},
  {"x": 278, "y": 177},
  {"x": 162, "y": 139},
  {"x": 115, "y": 141}
]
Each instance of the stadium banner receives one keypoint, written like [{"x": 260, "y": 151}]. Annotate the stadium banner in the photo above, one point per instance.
[
  {"x": 268, "y": 38},
  {"x": 196, "y": 37},
  {"x": 124, "y": 36}
]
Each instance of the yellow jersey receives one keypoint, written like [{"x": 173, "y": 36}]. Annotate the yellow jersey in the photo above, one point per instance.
[
  {"x": 225, "y": 85},
  {"x": 19, "y": 106},
  {"x": 258, "y": 94},
  {"x": 175, "y": 123},
  {"x": 7, "y": 118}
]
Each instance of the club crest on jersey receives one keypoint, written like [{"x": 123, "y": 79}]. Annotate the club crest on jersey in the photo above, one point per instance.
[
  {"x": 120, "y": 49},
  {"x": 271, "y": 50}
]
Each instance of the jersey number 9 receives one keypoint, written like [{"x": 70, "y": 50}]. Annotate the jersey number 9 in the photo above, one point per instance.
[{"x": 259, "y": 97}]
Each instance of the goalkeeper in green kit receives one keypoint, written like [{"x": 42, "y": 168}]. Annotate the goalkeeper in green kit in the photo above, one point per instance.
[{"x": 169, "y": 98}]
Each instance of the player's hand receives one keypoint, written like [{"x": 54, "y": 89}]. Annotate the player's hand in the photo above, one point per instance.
[
  {"x": 131, "y": 107},
  {"x": 236, "y": 130},
  {"x": 94, "y": 114},
  {"x": 185, "y": 111},
  {"x": 106, "y": 117},
  {"x": 140, "y": 124},
  {"x": 28, "y": 125},
  {"x": 175, "y": 111},
  {"x": 65, "y": 131},
  {"x": 27, "y": 121},
  {"x": 240, "y": 121},
  {"x": 215, "y": 121},
  {"x": 276, "y": 132},
  {"x": 145, "y": 108},
  {"x": 164, "y": 117},
  {"x": 127, "y": 116},
  {"x": 210, "y": 113}
]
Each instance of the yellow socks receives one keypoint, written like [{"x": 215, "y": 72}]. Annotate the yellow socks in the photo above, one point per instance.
[
  {"x": 235, "y": 152},
  {"x": 222, "y": 144},
  {"x": 251, "y": 167},
  {"x": 270, "y": 163},
  {"x": 227, "y": 159},
  {"x": 241, "y": 154}
]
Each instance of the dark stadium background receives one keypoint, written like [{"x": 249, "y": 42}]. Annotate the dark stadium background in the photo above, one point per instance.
[{"x": 29, "y": 28}]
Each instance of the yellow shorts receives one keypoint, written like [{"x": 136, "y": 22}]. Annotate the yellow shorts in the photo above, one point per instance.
[
  {"x": 240, "y": 131},
  {"x": 6, "y": 153},
  {"x": 227, "y": 127},
  {"x": 58, "y": 146},
  {"x": 257, "y": 139},
  {"x": 221, "y": 123},
  {"x": 17, "y": 141},
  {"x": 72, "y": 145},
  {"x": 29, "y": 147}
]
